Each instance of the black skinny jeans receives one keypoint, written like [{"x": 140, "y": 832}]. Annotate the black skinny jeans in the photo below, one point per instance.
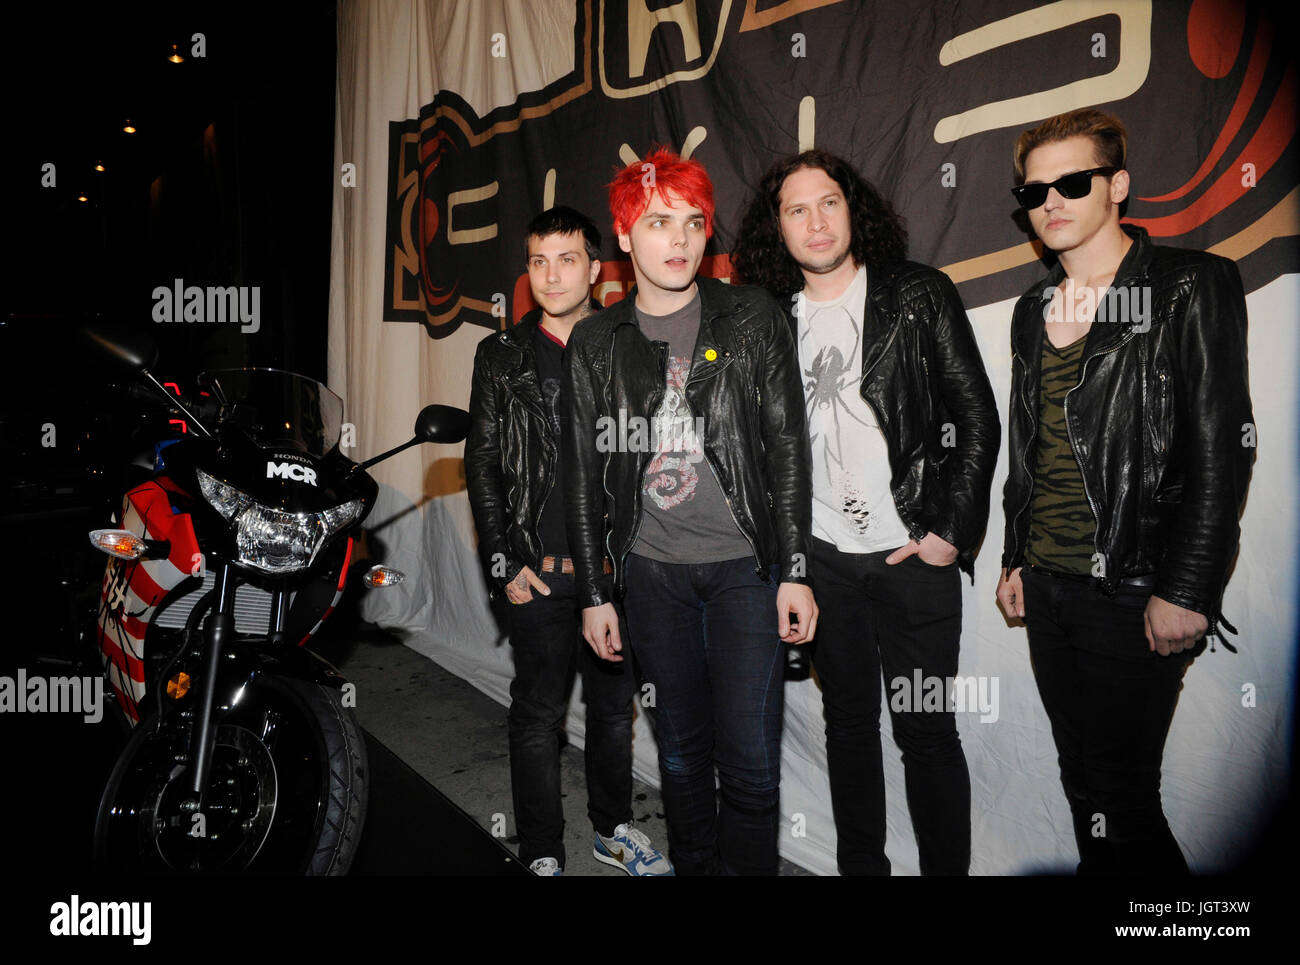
[
  {"x": 897, "y": 618},
  {"x": 705, "y": 640},
  {"x": 546, "y": 634},
  {"x": 1110, "y": 700}
]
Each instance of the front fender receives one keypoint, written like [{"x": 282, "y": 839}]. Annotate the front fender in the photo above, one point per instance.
[{"x": 242, "y": 663}]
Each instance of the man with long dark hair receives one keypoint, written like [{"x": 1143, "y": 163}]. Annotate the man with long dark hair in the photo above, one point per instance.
[{"x": 904, "y": 434}]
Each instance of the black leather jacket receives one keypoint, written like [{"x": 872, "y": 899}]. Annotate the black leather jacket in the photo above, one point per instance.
[
  {"x": 755, "y": 432},
  {"x": 1160, "y": 422},
  {"x": 924, "y": 378},
  {"x": 510, "y": 452}
]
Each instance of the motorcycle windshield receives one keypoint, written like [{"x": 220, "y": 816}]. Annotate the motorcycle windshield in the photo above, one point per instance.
[{"x": 278, "y": 409}]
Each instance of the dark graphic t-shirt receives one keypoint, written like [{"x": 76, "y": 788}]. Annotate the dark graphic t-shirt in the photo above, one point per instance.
[
  {"x": 550, "y": 359},
  {"x": 685, "y": 517}
]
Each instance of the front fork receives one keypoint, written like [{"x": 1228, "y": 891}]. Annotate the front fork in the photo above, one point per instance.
[{"x": 217, "y": 632}]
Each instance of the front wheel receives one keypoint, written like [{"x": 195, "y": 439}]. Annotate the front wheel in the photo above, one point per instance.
[{"x": 286, "y": 792}]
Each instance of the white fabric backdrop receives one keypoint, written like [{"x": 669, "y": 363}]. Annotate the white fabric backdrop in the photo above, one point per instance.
[{"x": 1224, "y": 761}]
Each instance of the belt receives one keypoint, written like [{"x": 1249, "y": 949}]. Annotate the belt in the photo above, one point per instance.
[
  {"x": 1143, "y": 581},
  {"x": 564, "y": 564}
]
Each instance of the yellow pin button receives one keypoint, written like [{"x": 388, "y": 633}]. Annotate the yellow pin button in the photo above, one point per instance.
[{"x": 710, "y": 354}]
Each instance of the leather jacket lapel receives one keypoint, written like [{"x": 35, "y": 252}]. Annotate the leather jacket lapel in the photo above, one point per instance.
[
  {"x": 522, "y": 381},
  {"x": 717, "y": 332},
  {"x": 880, "y": 317}
]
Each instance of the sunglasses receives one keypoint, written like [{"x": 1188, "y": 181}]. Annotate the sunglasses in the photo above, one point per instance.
[{"x": 1072, "y": 186}]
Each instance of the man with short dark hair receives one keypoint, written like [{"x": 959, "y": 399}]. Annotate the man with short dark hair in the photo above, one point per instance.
[
  {"x": 1127, "y": 472},
  {"x": 904, "y": 432},
  {"x": 517, "y": 485},
  {"x": 689, "y": 459}
]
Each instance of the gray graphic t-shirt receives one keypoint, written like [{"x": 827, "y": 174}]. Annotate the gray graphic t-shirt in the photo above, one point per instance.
[{"x": 684, "y": 515}]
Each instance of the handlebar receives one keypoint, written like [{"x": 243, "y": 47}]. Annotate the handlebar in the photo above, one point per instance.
[{"x": 203, "y": 408}]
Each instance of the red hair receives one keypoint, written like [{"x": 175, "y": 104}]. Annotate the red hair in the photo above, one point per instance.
[{"x": 632, "y": 187}]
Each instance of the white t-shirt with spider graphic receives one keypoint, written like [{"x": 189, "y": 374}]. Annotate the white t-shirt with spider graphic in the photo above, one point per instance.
[{"x": 852, "y": 505}]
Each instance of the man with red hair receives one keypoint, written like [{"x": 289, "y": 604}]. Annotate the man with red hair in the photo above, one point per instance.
[
  {"x": 517, "y": 486},
  {"x": 689, "y": 454}
]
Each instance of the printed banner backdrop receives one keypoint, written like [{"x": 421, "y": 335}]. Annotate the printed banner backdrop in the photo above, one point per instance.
[{"x": 458, "y": 121}]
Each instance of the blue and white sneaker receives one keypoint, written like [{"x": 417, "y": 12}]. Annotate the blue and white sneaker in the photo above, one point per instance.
[
  {"x": 546, "y": 868},
  {"x": 630, "y": 850}
]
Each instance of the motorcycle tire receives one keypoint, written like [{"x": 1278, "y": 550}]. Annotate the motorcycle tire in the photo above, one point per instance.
[{"x": 286, "y": 792}]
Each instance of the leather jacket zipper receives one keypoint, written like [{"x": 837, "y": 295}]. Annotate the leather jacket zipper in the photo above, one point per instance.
[
  {"x": 1029, "y": 495},
  {"x": 1164, "y": 406},
  {"x": 550, "y": 474},
  {"x": 657, "y": 398},
  {"x": 1065, "y": 406},
  {"x": 541, "y": 506},
  {"x": 753, "y": 547},
  {"x": 604, "y": 474},
  {"x": 912, "y": 528}
]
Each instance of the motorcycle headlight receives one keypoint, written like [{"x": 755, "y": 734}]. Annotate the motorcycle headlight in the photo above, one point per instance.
[
  {"x": 225, "y": 499},
  {"x": 272, "y": 540}
]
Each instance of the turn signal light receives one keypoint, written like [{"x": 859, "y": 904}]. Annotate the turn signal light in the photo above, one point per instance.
[
  {"x": 380, "y": 575},
  {"x": 121, "y": 543},
  {"x": 178, "y": 685}
]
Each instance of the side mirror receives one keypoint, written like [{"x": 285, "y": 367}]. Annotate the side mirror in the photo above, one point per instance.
[
  {"x": 135, "y": 351},
  {"x": 441, "y": 423},
  {"x": 435, "y": 423}
]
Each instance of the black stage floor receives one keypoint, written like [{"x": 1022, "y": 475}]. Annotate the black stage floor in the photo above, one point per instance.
[{"x": 414, "y": 829}]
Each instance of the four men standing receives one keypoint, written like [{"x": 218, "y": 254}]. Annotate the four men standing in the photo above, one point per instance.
[{"x": 721, "y": 460}]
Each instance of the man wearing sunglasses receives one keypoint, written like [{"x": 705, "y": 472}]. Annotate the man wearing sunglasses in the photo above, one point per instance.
[{"x": 1130, "y": 442}]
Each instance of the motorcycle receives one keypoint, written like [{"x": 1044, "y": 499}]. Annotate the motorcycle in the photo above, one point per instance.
[{"x": 245, "y": 755}]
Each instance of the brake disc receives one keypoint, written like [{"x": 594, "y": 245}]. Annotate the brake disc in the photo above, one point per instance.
[{"x": 226, "y": 829}]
